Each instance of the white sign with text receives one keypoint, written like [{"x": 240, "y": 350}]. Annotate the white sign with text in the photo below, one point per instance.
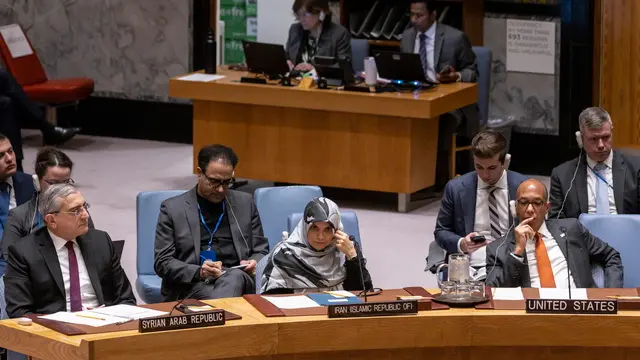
[
  {"x": 531, "y": 46},
  {"x": 16, "y": 41}
]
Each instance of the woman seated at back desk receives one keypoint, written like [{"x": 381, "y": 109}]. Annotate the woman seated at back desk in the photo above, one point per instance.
[
  {"x": 315, "y": 34},
  {"x": 317, "y": 256}
]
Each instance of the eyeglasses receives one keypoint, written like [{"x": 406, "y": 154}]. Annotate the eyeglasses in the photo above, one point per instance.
[
  {"x": 524, "y": 203},
  {"x": 304, "y": 14},
  {"x": 75, "y": 212},
  {"x": 57, "y": 182},
  {"x": 216, "y": 183}
]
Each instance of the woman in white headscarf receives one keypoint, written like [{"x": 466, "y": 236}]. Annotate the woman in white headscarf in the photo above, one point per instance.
[{"x": 317, "y": 256}]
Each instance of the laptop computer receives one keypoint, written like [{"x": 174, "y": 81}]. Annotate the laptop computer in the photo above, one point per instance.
[
  {"x": 403, "y": 69},
  {"x": 263, "y": 58}
]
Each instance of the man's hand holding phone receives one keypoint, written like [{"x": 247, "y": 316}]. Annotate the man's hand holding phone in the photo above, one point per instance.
[
  {"x": 468, "y": 246},
  {"x": 523, "y": 233},
  {"x": 211, "y": 269},
  {"x": 448, "y": 75}
]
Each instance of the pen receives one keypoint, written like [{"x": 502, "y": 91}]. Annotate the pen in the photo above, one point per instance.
[{"x": 90, "y": 317}]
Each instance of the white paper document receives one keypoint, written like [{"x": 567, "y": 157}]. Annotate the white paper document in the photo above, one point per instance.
[
  {"x": 201, "y": 77},
  {"x": 563, "y": 294},
  {"x": 291, "y": 302},
  {"x": 84, "y": 318},
  {"x": 16, "y": 41},
  {"x": 507, "y": 294},
  {"x": 128, "y": 312},
  {"x": 342, "y": 293}
]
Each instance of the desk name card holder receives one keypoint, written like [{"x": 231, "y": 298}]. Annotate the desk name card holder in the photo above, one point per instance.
[
  {"x": 555, "y": 306},
  {"x": 389, "y": 308},
  {"x": 182, "y": 321}
]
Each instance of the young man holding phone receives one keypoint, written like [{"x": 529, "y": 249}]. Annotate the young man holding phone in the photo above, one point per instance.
[
  {"x": 446, "y": 57},
  {"x": 473, "y": 211}
]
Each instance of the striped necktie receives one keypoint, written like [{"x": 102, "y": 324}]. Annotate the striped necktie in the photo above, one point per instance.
[
  {"x": 494, "y": 213},
  {"x": 423, "y": 55}
]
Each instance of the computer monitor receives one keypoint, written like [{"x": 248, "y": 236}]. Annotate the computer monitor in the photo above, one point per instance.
[
  {"x": 405, "y": 68},
  {"x": 263, "y": 58}
]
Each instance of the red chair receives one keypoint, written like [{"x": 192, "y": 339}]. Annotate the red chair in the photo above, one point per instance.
[{"x": 30, "y": 74}]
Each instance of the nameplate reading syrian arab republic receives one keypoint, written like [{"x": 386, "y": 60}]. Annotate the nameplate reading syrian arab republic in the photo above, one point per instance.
[
  {"x": 374, "y": 309},
  {"x": 600, "y": 307},
  {"x": 182, "y": 321}
]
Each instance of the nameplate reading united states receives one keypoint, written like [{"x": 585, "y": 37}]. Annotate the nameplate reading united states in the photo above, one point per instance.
[
  {"x": 542, "y": 306},
  {"x": 182, "y": 321},
  {"x": 374, "y": 309}
]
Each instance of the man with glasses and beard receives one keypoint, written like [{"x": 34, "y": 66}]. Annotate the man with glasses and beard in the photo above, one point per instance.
[
  {"x": 52, "y": 167},
  {"x": 209, "y": 239},
  {"x": 64, "y": 266}
]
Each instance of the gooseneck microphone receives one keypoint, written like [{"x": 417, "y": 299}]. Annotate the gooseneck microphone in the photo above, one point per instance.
[
  {"x": 364, "y": 288},
  {"x": 563, "y": 233}
]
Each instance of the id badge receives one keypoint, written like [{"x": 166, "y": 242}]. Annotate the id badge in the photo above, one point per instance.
[{"x": 207, "y": 255}]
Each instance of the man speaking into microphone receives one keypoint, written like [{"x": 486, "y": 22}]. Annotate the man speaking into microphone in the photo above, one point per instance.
[
  {"x": 534, "y": 254},
  {"x": 209, "y": 239}
]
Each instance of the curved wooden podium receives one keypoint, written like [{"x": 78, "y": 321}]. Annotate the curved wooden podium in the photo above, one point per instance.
[{"x": 444, "y": 334}]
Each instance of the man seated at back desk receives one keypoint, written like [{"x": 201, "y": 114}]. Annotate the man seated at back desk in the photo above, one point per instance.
[
  {"x": 447, "y": 57},
  {"x": 534, "y": 254}
]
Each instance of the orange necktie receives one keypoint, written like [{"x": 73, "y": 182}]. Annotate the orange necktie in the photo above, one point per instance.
[{"x": 544, "y": 264}]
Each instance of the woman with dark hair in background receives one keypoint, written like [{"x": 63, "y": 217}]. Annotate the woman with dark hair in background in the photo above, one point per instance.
[{"x": 314, "y": 34}]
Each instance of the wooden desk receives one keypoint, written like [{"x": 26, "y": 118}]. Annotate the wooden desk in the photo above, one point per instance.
[
  {"x": 380, "y": 142},
  {"x": 444, "y": 334}
]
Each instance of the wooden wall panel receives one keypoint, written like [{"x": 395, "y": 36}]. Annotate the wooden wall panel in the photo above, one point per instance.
[{"x": 619, "y": 70}]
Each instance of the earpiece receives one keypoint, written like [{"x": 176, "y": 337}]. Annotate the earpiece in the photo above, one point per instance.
[
  {"x": 322, "y": 16},
  {"x": 579, "y": 139},
  {"x": 36, "y": 182},
  {"x": 512, "y": 208},
  {"x": 507, "y": 161}
]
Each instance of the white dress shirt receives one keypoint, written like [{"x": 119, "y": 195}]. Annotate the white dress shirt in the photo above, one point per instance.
[
  {"x": 556, "y": 257},
  {"x": 592, "y": 180},
  {"x": 88, "y": 294},
  {"x": 430, "y": 43},
  {"x": 482, "y": 223},
  {"x": 12, "y": 194}
]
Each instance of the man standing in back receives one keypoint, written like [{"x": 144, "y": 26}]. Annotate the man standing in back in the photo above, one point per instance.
[
  {"x": 477, "y": 203},
  {"x": 446, "y": 57},
  {"x": 600, "y": 181}
]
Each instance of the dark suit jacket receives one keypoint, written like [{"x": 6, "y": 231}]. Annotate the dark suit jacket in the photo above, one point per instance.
[
  {"x": 177, "y": 248},
  {"x": 334, "y": 41},
  {"x": 21, "y": 222},
  {"x": 23, "y": 187},
  {"x": 586, "y": 250},
  {"x": 34, "y": 283},
  {"x": 625, "y": 186},
  {"x": 457, "y": 214},
  {"x": 452, "y": 47}
]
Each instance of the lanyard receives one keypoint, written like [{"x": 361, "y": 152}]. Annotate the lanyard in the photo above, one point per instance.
[
  {"x": 211, "y": 233},
  {"x": 599, "y": 176}
]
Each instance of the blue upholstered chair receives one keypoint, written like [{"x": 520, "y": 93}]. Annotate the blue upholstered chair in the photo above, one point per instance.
[
  {"x": 621, "y": 232},
  {"x": 359, "y": 51},
  {"x": 147, "y": 211},
  {"x": 276, "y": 203},
  {"x": 483, "y": 61}
]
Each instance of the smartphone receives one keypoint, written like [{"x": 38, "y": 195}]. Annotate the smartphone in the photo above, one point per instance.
[
  {"x": 478, "y": 239},
  {"x": 446, "y": 70}
]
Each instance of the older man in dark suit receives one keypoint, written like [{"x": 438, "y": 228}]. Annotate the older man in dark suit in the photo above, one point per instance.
[
  {"x": 535, "y": 254},
  {"x": 64, "y": 266},
  {"x": 477, "y": 203},
  {"x": 599, "y": 181},
  {"x": 447, "y": 57},
  {"x": 209, "y": 239}
]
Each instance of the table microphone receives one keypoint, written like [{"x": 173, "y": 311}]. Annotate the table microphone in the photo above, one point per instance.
[
  {"x": 563, "y": 231},
  {"x": 193, "y": 291},
  {"x": 364, "y": 288}
]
